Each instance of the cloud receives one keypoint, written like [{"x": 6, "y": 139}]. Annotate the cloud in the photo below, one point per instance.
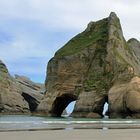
[
  {"x": 68, "y": 15},
  {"x": 25, "y": 39},
  {"x": 58, "y": 13},
  {"x": 26, "y": 47},
  {"x": 37, "y": 28}
]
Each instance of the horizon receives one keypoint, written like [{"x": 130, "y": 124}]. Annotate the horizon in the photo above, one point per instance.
[{"x": 31, "y": 31}]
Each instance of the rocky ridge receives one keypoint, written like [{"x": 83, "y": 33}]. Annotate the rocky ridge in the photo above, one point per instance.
[
  {"x": 32, "y": 92},
  {"x": 18, "y": 95},
  {"x": 93, "y": 68},
  {"x": 11, "y": 100}
]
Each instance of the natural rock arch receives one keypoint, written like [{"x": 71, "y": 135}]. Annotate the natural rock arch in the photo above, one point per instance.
[
  {"x": 60, "y": 103},
  {"x": 95, "y": 65}
]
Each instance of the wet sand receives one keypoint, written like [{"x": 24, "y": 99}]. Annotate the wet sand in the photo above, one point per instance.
[{"x": 83, "y": 134}]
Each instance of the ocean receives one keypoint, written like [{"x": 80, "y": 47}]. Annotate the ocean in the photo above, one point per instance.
[{"x": 33, "y": 123}]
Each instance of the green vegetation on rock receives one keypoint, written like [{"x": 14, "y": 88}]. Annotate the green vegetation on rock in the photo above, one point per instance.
[
  {"x": 98, "y": 77},
  {"x": 98, "y": 81},
  {"x": 98, "y": 32},
  {"x": 1, "y": 78}
]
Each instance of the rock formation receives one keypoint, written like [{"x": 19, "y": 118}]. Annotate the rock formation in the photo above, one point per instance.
[
  {"x": 11, "y": 100},
  {"x": 19, "y": 94},
  {"x": 32, "y": 92},
  {"x": 93, "y": 68},
  {"x": 124, "y": 95}
]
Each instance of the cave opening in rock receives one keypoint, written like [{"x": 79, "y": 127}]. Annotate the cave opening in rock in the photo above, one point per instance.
[
  {"x": 33, "y": 103},
  {"x": 105, "y": 110},
  {"x": 61, "y": 103}
]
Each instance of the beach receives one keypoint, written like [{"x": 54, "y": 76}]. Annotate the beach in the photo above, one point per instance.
[
  {"x": 78, "y": 134},
  {"x": 23, "y": 127}
]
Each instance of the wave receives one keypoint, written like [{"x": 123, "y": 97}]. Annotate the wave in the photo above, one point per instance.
[
  {"x": 73, "y": 122},
  {"x": 11, "y": 123}
]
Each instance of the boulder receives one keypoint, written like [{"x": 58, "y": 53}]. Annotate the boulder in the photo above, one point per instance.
[
  {"x": 124, "y": 99},
  {"x": 94, "y": 115}
]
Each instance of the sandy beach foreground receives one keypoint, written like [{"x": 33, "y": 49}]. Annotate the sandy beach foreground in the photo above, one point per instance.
[{"x": 89, "y": 134}]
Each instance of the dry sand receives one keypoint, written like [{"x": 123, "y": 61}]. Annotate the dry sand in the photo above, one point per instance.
[{"x": 91, "y": 134}]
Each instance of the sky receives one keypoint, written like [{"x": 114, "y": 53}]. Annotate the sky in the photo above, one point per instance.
[{"x": 31, "y": 31}]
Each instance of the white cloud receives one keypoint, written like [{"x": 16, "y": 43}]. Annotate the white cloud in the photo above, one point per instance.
[{"x": 69, "y": 14}]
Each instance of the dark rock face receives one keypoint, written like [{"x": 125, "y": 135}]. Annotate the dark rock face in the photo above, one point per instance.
[
  {"x": 89, "y": 68},
  {"x": 11, "y": 101},
  {"x": 33, "y": 103},
  {"x": 32, "y": 92}
]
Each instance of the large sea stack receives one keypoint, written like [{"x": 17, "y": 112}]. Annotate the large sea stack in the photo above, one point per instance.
[{"x": 95, "y": 67}]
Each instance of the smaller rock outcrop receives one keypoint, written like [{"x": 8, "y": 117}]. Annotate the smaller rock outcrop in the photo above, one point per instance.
[
  {"x": 32, "y": 92},
  {"x": 124, "y": 99},
  {"x": 134, "y": 45},
  {"x": 11, "y": 100}
]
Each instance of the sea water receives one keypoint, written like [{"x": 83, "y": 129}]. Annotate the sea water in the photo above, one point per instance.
[{"x": 26, "y": 122}]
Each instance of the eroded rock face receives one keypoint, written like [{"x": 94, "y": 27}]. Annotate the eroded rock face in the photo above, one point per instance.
[
  {"x": 134, "y": 45},
  {"x": 32, "y": 92},
  {"x": 11, "y": 100},
  {"x": 124, "y": 99},
  {"x": 87, "y": 67}
]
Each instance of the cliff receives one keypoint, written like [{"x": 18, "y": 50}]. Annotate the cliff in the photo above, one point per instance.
[
  {"x": 31, "y": 91},
  {"x": 11, "y": 101},
  {"x": 18, "y": 95},
  {"x": 91, "y": 68}
]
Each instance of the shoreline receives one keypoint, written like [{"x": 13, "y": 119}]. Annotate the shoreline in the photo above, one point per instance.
[
  {"x": 68, "y": 129},
  {"x": 76, "y": 134}
]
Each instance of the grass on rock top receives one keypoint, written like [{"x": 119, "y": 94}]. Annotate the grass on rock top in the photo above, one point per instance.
[{"x": 98, "y": 32}]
